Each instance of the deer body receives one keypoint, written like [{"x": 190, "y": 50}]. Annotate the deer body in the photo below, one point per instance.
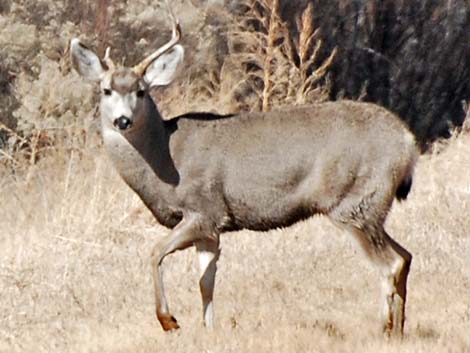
[
  {"x": 202, "y": 174},
  {"x": 273, "y": 172}
]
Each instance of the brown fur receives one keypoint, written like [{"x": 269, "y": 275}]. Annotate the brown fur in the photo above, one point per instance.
[
  {"x": 123, "y": 81},
  {"x": 262, "y": 171},
  {"x": 203, "y": 174}
]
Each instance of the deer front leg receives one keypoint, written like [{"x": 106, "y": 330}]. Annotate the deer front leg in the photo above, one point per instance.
[
  {"x": 208, "y": 254},
  {"x": 191, "y": 229}
]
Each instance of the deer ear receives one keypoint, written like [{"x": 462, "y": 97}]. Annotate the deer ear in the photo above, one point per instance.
[
  {"x": 163, "y": 70},
  {"x": 85, "y": 61}
]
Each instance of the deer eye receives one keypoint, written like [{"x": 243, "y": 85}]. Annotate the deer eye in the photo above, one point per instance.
[
  {"x": 107, "y": 92},
  {"x": 140, "y": 93}
]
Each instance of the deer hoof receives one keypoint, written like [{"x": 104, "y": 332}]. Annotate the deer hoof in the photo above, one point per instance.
[{"x": 168, "y": 322}]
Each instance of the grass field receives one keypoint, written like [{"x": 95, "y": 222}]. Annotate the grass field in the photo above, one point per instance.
[{"x": 75, "y": 273}]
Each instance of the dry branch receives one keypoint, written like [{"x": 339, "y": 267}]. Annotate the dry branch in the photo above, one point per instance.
[{"x": 292, "y": 67}]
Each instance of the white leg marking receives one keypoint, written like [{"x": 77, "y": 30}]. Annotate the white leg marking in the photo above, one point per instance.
[{"x": 207, "y": 267}]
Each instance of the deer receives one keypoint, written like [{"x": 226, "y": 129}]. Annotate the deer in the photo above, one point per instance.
[{"x": 203, "y": 174}]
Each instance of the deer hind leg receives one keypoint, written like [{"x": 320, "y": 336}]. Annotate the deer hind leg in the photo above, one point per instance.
[
  {"x": 394, "y": 263},
  {"x": 208, "y": 254},
  {"x": 189, "y": 231},
  {"x": 394, "y": 282}
]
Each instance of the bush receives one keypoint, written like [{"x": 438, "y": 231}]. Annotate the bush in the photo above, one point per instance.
[
  {"x": 408, "y": 56},
  {"x": 59, "y": 104}
]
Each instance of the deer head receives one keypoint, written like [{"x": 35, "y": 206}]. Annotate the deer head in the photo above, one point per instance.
[{"x": 125, "y": 101}]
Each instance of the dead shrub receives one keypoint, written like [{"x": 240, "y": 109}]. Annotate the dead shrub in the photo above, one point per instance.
[{"x": 270, "y": 65}]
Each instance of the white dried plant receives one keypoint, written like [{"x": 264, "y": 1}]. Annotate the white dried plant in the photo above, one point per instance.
[{"x": 270, "y": 65}]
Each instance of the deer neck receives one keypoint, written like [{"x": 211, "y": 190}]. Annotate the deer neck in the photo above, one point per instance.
[{"x": 142, "y": 154}]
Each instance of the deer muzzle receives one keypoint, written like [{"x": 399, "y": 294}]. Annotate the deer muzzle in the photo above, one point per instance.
[{"x": 123, "y": 123}]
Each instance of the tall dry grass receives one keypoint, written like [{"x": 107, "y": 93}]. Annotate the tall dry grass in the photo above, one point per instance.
[
  {"x": 252, "y": 61},
  {"x": 75, "y": 273},
  {"x": 275, "y": 65}
]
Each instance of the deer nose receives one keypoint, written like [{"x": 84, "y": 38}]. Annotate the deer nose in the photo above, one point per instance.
[{"x": 123, "y": 122}]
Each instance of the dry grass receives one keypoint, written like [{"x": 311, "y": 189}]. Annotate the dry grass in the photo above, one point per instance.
[
  {"x": 270, "y": 66},
  {"x": 75, "y": 276},
  {"x": 252, "y": 61}
]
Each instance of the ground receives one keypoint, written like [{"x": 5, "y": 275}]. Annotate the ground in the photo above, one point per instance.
[{"x": 75, "y": 270}]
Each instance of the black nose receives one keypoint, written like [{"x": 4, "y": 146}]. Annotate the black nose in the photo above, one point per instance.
[{"x": 123, "y": 122}]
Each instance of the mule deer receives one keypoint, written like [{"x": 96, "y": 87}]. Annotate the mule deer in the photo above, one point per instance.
[{"x": 202, "y": 174}]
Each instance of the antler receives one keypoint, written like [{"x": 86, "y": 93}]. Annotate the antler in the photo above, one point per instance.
[
  {"x": 140, "y": 68},
  {"x": 107, "y": 59}
]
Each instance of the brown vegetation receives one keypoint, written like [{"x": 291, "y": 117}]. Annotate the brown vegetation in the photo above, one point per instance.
[{"x": 74, "y": 272}]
